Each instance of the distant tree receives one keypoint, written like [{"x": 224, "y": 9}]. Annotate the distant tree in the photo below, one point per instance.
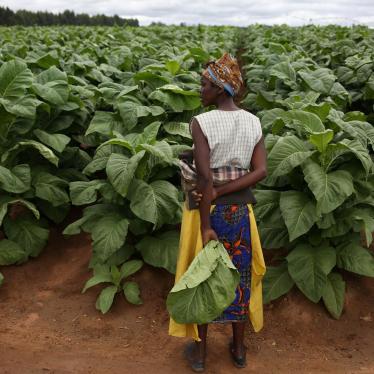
[{"x": 68, "y": 17}]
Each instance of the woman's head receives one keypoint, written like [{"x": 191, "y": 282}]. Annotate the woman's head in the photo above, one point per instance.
[{"x": 221, "y": 77}]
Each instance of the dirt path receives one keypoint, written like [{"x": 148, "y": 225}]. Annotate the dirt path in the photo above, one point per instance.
[{"x": 48, "y": 326}]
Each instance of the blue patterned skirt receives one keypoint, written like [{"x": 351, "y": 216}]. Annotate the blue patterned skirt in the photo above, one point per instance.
[{"x": 231, "y": 224}]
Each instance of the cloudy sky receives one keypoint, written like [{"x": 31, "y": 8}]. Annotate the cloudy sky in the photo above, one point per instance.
[{"x": 239, "y": 12}]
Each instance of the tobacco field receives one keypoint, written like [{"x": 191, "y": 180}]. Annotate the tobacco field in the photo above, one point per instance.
[{"x": 95, "y": 117}]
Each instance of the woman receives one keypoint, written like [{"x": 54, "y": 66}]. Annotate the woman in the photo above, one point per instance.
[{"x": 227, "y": 143}]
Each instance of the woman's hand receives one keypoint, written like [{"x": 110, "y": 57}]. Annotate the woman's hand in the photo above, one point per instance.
[
  {"x": 197, "y": 195},
  {"x": 208, "y": 235}
]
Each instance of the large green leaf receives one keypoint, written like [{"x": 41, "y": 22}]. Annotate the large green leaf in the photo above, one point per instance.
[
  {"x": 298, "y": 211},
  {"x": 206, "y": 289},
  {"x": 109, "y": 234},
  {"x": 16, "y": 180},
  {"x": 354, "y": 258},
  {"x": 156, "y": 202},
  {"x": 320, "y": 80},
  {"x": 11, "y": 253},
  {"x": 277, "y": 282},
  {"x": 321, "y": 139},
  {"x": 308, "y": 121},
  {"x": 176, "y": 98},
  {"x": 51, "y": 188},
  {"x": 56, "y": 141},
  {"x": 52, "y": 86},
  {"x": 103, "y": 123},
  {"x": 132, "y": 293},
  {"x": 15, "y": 77},
  {"x": 285, "y": 72},
  {"x": 267, "y": 200},
  {"x": 7, "y": 200},
  {"x": 329, "y": 189},
  {"x": 24, "y": 106},
  {"x": 287, "y": 153},
  {"x": 105, "y": 299},
  {"x": 28, "y": 233},
  {"x": 178, "y": 128},
  {"x": 333, "y": 294},
  {"x": 97, "y": 279},
  {"x": 273, "y": 231},
  {"x": 121, "y": 170},
  {"x": 41, "y": 148},
  {"x": 309, "y": 267},
  {"x": 161, "y": 150},
  {"x": 82, "y": 193},
  {"x": 161, "y": 250},
  {"x": 360, "y": 152},
  {"x": 130, "y": 267}
]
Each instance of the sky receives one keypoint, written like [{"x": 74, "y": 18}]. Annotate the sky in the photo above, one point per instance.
[{"x": 216, "y": 12}]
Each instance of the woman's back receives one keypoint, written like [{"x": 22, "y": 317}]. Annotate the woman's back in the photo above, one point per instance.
[{"x": 232, "y": 136}]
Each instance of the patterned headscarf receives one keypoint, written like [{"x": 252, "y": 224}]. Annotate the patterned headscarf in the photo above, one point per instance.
[{"x": 225, "y": 73}]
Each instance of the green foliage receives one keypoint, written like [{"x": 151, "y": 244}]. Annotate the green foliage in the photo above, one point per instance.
[
  {"x": 317, "y": 119},
  {"x": 117, "y": 277},
  {"x": 210, "y": 280}
]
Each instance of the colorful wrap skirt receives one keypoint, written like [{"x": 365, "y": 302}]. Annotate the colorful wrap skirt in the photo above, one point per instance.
[
  {"x": 232, "y": 226},
  {"x": 236, "y": 228}
]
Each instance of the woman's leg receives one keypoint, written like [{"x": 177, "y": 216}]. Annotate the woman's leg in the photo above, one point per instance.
[
  {"x": 238, "y": 329},
  {"x": 201, "y": 346}
]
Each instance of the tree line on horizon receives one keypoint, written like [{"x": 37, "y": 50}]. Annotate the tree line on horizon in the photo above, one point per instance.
[{"x": 24, "y": 17}]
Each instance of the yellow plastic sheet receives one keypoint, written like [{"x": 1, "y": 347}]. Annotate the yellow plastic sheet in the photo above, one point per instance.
[{"x": 189, "y": 246}]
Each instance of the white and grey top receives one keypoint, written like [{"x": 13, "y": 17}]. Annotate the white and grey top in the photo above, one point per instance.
[{"x": 232, "y": 136}]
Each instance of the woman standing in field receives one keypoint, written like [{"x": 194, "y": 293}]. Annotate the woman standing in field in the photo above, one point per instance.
[{"x": 228, "y": 143}]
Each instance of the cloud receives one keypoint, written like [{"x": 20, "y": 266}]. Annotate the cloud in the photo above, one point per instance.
[{"x": 240, "y": 13}]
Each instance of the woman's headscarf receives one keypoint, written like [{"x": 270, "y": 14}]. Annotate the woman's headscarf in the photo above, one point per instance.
[{"x": 225, "y": 73}]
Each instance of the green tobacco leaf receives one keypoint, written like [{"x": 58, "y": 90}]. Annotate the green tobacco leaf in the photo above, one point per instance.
[
  {"x": 333, "y": 294},
  {"x": 121, "y": 170},
  {"x": 285, "y": 72},
  {"x": 16, "y": 180},
  {"x": 173, "y": 66},
  {"x": 82, "y": 193},
  {"x": 329, "y": 189},
  {"x": 360, "y": 152},
  {"x": 105, "y": 299},
  {"x": 130, "y": 267},
  {"x": 41, "y": 148},
  {"x": 320, "y": 80},
  {"x": 273, "y": 231},
  {"x": 309, "y": 267},
  {"x": 56, "y": 141},
  {"x": 277, "y": 282},
  {"x": 286, "y": 154},
  {"x": 178, "y": 128},
  {"x": 267, "y": 201},
  {"x": 211, "y": 279},
  {"x": 1, "y": 279},
  {"x": 132, "y": 293},
  {"x": 321, "y": 139},
  {"x": 161, "y": 250},
  {"x": 161, "y": 150},
  {"x": 15, "y": 77},
  {"x": 354, "y": 258},
  {"x": 11, "y": 253},
  {"x": 7, "y": 200},
  {"x": 28, "y": 233},
  {"x": 96, "y": 279},
  {"x": 156, "y": 202},
  {"x": 24, "y": 106},
  {"x": 51, "y": 188},
  {"x": 52, "y": 86},
  {"x": 103, "y": 123},
  {"x": 176, "y": 98},
  {"x": 109, "y": 234},
  {"x": 117, "y": 141},
  {"x": 309, "y": 121},
  {"x": 298, "y": 211}
]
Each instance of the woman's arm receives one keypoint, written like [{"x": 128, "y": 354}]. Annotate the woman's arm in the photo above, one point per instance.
[
  {"x": 258, "y": 172},
  {"x": 204, "y": 180}
]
